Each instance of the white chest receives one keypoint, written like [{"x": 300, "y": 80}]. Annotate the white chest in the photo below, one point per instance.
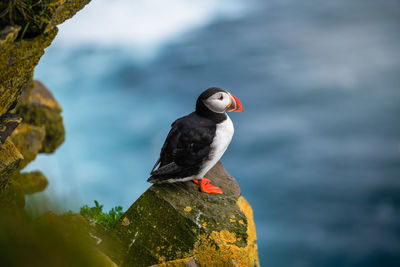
[
  {"x": 222, "y": 139},
  {"x": 223, "y": 136}
]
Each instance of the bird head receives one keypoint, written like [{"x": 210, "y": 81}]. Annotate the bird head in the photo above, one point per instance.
[{"x": 218, "y": 100}]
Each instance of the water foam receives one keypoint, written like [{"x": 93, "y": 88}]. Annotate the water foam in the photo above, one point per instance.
[{"x": 142, "y": 24}]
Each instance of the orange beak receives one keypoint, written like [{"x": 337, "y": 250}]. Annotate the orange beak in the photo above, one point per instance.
[{"x": 235, "y": 105}]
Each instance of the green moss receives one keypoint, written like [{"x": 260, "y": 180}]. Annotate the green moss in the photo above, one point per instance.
[
  {"x": 152, "y": 231},
  {"x": 31, "y": 182},
  {"x": 52, "y": 122},
  {"x": 10, "y": 160},
  {"x": 19, "y": 57},
  {"x": 17, "y": 61},
  {"x": 12, "y": 198},
  {"x": 38, "y": 107},
  {"x": 37, "y": 16},
  {"x": 168, "y": 220},
  {"x": 63, "y": 10},
  {"x": 28, "y": 140},
  {"x": 96, "y": 214}
]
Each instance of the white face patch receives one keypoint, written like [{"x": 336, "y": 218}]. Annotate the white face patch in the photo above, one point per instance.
[{"x": 218, "y": 102}]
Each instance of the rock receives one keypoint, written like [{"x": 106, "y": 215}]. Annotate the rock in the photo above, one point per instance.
[
  {"x": 36, "y": 17},
  {"x": 177, "y": 225},
  {"x": 26, "y": 29},
  {"x": 28, "y": 139},
  {"x": 31, "y": 182},
  {"x": 8, "y": 35},
  {"x": 13, "y": 191},
  {"x": 38, "y": 95},
  {"x": 10, "y": 159},
  {"x": 17, "y": 61},
  {"x": 8, "y": 122},
  {"x": 62, "y": 10},
  {"x": 12, "y": 198},
  {"x": 38, "y": 107},
  {"x": 18, "y": 57}
]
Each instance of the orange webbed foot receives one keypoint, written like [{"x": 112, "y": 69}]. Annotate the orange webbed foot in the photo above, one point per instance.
[{"x": 207, "y": 187}]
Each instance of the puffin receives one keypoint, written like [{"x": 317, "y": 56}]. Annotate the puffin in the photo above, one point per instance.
[{"x": 197, "y": 141}]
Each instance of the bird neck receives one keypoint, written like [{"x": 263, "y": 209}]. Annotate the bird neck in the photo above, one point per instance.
[{"x": 203, "y": 111}]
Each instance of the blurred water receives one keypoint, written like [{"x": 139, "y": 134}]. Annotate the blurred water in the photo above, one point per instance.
[{"x": 316, "y": 152}]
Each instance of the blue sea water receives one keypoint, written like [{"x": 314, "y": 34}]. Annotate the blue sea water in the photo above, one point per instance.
[{"x": 316, "y": 152}]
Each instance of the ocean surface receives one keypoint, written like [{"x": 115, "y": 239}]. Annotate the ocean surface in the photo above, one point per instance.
[{"x": 317, "y": 150}]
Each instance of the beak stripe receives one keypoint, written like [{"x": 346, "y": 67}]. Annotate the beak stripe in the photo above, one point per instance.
[{"x": 230, "y": 102}]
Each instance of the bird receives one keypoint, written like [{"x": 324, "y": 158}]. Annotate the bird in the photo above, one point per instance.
[{"x": 197, "y": 141}]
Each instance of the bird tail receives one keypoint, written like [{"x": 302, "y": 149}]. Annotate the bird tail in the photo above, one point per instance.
[
  {"x": 164, "y": 172},
  {"x": 153, "y": 179}
]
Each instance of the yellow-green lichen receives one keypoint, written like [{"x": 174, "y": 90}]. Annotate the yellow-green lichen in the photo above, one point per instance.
[
  {"x": 10, "y": 159},
  {"x": 17, "y": 61},
  {"x": 31, "y": 182},
  {"x": 8, "y": 35},
  {"x": 178, "y": 263},
  {"x": 219, "y": 248},
  {"x": 38, "y": 107},
  {"x": 63, "y": 10},
  {"x": 37, "y": 16},
  {"x": 28, "y": 139}
]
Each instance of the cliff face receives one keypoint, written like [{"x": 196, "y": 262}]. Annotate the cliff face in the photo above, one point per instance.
[
  {"x": 31, "y": 123},
  {"x": 30, "y": 117}
]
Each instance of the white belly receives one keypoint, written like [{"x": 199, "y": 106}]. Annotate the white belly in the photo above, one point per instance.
[{"x": 222, "y": 139}]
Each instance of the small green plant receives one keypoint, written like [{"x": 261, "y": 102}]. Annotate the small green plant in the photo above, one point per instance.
[
  {"x": 28, "y": 14},
  {"x": 96, "y": 214}
]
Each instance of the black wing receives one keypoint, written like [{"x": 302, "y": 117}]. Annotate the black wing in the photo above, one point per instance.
[{"x": 185, "y": 148}]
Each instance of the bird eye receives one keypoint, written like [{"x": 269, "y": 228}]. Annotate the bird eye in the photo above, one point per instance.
[{"x": 221, "y": 97}]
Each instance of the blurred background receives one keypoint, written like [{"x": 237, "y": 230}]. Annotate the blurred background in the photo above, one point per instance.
[{"x": 317, "y": 150}]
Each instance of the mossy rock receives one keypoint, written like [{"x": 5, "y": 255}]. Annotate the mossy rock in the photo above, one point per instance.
[
  {"x": 10, "y": 160},
  {"x": 38, "y": 16},
  {"x": 31, "y": 182},
  {"x": 7, "y": 35},
  {"x": 28, "y": 139},
  {"x": 38, "y": 107},
  {"x": 18, "y": 57},
  {"x": 8, "y": 122},
  {"x": 17, "y": 61},
  {"x": 63, "y": 10},
  {"x": 177, "y": 224},
  {"x": 14, "y": 189},
  {"x": 12, "y": 197}
]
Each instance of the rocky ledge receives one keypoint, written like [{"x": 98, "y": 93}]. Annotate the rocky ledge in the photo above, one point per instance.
[{"x": 177, "y": 225}]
